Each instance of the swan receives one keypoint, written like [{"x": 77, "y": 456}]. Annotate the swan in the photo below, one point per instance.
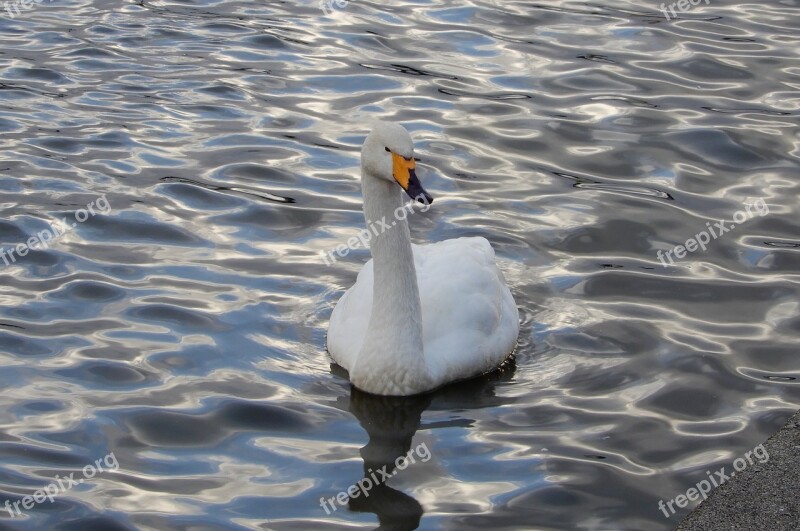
[{"x": 418, "y": 316}]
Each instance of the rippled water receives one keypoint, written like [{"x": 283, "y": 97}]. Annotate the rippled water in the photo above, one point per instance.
[{"x": 184, "y": 328}]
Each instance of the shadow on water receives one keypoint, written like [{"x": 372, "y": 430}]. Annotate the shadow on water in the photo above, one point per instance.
[{"x": 391, "y": 423}]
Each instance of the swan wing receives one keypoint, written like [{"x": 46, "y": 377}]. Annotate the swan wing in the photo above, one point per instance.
[
  {"x": 470, "y": 319},
  {"x": 350, "y": 319}
]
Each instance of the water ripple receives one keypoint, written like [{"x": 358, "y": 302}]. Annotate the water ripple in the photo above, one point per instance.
[{"x": 184, "y": 329}]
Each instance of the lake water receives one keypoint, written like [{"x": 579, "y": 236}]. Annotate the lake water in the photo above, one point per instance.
[{"x": 175, "y": 336}]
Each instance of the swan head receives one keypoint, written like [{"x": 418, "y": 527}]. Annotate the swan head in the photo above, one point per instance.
[{"x": 388, "y": 154}]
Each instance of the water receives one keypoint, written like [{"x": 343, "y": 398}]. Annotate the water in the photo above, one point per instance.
[{"x": 183, "y": 328}]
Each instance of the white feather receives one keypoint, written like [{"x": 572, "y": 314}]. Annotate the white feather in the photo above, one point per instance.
[{"x": 467, "y": 322}]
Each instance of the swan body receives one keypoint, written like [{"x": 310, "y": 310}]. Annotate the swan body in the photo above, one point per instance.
[{"x": 418, "y": 316}]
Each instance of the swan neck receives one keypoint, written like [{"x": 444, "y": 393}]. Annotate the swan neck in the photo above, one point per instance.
[{"x": 394, "y": 337}]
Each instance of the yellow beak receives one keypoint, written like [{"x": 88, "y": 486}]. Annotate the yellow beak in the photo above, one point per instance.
[
  {"x": 404, "y": 172},
  {"x": 402, "y": 169}
]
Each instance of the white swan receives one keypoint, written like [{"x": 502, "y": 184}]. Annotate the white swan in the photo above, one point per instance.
[{"x": 418, "y": 316}]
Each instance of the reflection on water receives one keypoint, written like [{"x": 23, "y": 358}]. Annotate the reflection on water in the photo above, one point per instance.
[
  {"x": 184, "y": 330},
  {"x": 392, "y": 423}
]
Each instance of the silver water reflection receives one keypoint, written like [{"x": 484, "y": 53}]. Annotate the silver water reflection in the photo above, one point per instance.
[
  {"x": 184, "y": 331},
  {"x": 392, "y": 423}
]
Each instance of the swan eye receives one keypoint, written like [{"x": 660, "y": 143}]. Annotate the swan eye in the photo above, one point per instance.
[{"x": 387, "y": 150}]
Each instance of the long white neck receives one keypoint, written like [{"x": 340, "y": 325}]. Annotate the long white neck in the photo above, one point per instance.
[{"x": 393, "y": 343}]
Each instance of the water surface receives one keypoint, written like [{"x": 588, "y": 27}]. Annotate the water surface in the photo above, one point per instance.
[{"x": 184, "y": 328}]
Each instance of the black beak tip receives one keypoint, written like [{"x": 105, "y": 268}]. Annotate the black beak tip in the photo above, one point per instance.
[
  {"x": 416, "y": 191},
  {"x": 424, "y": 198}
]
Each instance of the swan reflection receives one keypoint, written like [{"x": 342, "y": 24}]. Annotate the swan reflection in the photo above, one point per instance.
[{"x": 391, "y": 423}]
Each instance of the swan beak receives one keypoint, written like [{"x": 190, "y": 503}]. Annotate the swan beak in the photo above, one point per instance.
[{"x": 404, "y": 172}]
